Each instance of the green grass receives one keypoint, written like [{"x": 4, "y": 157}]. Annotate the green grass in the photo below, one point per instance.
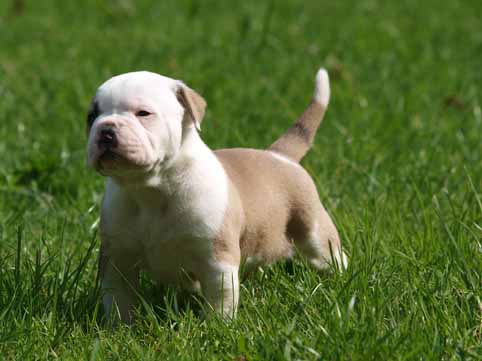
[{"x": 397, "y": 162}]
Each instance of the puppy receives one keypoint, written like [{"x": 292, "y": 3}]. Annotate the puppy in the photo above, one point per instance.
[{"x": 190, "y": 215}]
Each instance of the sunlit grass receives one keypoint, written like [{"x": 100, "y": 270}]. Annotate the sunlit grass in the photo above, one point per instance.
[{"x": 397, "y": 163}]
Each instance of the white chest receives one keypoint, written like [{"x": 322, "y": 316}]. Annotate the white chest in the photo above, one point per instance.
[
  {"x": 174, "y": 243},
  {"x": 170, "y": 236}
]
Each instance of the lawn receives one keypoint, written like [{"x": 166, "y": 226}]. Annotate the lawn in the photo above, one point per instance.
[{"x": 397, "y": 161}]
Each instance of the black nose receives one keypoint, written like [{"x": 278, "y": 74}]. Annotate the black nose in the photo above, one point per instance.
[{"x": 107, "y": 138}]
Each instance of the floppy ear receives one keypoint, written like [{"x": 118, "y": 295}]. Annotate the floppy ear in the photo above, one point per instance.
[{"x": 193, "y": 103}]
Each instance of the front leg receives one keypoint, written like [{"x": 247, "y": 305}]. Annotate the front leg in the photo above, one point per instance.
[
  {"x": 220, "y": 287},
  {"x": 119, "y": 284}
]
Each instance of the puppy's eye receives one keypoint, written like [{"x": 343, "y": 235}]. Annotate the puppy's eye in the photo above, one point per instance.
[{"x": 143, "y": 113}]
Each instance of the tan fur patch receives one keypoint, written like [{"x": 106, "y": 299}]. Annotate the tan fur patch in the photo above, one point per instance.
[
  {"x": 279, "y": 201},
  {"x": 298, "y": 139}
]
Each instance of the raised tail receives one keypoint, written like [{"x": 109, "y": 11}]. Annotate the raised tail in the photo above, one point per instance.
[{"x": 297, "y": 140}]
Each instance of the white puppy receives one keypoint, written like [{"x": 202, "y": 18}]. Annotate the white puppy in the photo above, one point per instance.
[{"x": 189, "y": 215}]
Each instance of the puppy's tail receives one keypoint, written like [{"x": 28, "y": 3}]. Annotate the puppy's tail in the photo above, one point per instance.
[{"x": 298, "y": 139}]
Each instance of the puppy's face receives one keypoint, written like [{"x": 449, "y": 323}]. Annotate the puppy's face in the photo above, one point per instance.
[{"x": 135, "y": 123}]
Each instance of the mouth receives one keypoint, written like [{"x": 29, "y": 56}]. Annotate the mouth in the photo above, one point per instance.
[
  {"x": 108, "y": 155},
  {"x": 110, "y": 163},
  {"x": 108, "y": 160}
]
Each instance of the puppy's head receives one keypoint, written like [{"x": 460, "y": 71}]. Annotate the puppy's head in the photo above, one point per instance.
[{"x": 136, "y": 121}]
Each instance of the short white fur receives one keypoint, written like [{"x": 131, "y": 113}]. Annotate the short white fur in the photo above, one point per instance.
[
  {"x": 166, "y": 201},
  {"x": 165, "y": 218},
  {"x": 322, "y": 88}
]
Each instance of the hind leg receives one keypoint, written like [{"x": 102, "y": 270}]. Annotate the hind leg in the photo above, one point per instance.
[{"x": 319, "y": 242}]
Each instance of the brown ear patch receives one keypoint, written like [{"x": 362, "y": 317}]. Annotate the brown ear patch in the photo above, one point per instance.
[
  {"x": 93, "y": 113},
  {"x": 193, "y": 103}
]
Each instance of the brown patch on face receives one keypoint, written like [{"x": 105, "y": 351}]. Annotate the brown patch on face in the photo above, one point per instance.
[{"x": 92, "y": 115}]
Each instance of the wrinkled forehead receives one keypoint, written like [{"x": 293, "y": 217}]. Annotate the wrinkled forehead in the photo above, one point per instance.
[{"x": 137, "y": 89}]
